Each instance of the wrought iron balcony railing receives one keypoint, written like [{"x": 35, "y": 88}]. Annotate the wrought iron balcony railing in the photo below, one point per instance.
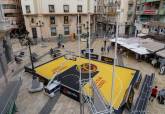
[{"x": 5, "y": 25}]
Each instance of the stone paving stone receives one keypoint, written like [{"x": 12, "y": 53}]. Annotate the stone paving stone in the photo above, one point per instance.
[{"x": 33, "y": 103}]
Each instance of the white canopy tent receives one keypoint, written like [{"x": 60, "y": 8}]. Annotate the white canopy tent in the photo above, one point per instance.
[
  {"x": 132, "y": 44},
  {"x": 142, "y": 35},
  {"x": 161, "y": 53}
]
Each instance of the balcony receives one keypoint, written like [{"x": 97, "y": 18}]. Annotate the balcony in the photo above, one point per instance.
[
  {"x": 138, "y": 12},
  {"x": 130, "y": 12},
  {"x": 5, "y": 25},
  {"x": 139, "y": 2},
  {"x": 11, "y": 11},
  {"x": 131, "y": 2},
  {"x": 150, "y": 12},
  {"x": 162, "y": 11},
  {"x": 146, "y": 1}
]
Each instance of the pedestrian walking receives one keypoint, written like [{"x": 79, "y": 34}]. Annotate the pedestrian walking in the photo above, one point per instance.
[
  {"x": 59, "y": 44},
  {"x": 63, "y": 46},
  {"x": 105, "y": 43},
  {"x": 153, "y": 93},
  {"x": 51, "y": 51},
  {"x": 108, "y": 49},
  {"x": 102, "y": 50}
]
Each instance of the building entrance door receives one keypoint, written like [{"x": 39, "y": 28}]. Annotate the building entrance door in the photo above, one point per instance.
[{"x": 34, "y": 32}]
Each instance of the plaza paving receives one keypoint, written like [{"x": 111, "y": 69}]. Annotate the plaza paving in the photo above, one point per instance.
[{"x": 33, "y": 103}]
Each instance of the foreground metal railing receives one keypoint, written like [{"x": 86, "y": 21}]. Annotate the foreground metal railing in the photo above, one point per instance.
[
  {"x": 9, "y": 96},
  {"x": 96, "y": 102},
  {"x": 141, "y": 103}
]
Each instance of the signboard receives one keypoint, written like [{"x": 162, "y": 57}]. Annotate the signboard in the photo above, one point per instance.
[
  {"x": 107, "y": 60},
  {"x": 151, "y": 12},
  {"x": 93, "y": 56},
  {"x": 70, "y": 93},
  {"x": 130, "y": 99}
]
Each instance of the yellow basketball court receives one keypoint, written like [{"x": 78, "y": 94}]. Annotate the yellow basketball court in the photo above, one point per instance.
[{"x": 103, "y": 79}]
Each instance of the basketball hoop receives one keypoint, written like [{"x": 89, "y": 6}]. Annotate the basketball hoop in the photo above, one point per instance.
[
  {"x": 70, "y": 57},
  {"x": 85, "y": 68}
]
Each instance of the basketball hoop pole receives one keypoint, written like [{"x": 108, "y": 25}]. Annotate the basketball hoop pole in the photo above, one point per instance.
[
  {"x": 115, "y": 61},
  {"x": 80, "y": 78},
  {"x": 89, "y": 44}
]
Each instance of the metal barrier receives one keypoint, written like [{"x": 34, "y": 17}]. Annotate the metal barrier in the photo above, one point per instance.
[
  {"x": 141, "y": 103},
  {"x": 7, "y": 104},
  {"x": 96, "y": 102}
]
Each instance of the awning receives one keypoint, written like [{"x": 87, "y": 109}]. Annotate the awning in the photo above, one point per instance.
[
  {"x": 134, "y": 46},
  {"x": 141, "y": 35},
  {"x": 161, "y": 53}
]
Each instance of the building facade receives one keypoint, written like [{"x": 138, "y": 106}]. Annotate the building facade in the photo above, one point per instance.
[
  {"x": 6, "y": 53},
  {"x": 131, "y": 17},
  {"x": 12, "y": 12},
  {"x": 107, "y": 16},
  {"x": 49, "y": 19},
  {"x": 151, "y": 15}
]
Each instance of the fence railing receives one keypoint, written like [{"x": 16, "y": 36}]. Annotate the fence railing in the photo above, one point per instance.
[
  {"x": 4, "y": 25},
  {"x": 9, "y": 96},
  {"x": 96, "y": 102}
]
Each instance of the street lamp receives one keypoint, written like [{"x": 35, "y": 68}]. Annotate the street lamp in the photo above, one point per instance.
[
  {"x": 118, "y": 11},
  {"x": 30, "y": 52},
  {"x": 40, "y": 24},
  {"x": 86, "y": 26},
  {"x": 36, "y": 85}
]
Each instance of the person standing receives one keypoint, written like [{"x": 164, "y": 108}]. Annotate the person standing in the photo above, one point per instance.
[
  {"x": 154, "y": 93},
  {"x": 105, "y": 43},
  {"x": 102, "y": 50},
  {"x": 51, "y": 51},
  {"x": 63, "y": 46},
  {"x": 108, "y": 49},
  {"x": 59, "y": 44}
]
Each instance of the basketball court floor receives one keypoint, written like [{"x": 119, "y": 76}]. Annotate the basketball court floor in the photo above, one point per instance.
[{"x": 68, "y": 74}]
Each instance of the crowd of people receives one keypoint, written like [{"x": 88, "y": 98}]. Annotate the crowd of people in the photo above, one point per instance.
[{"x": 106, "y": 47}]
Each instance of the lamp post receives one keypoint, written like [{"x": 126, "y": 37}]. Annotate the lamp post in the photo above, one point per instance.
[
  {"x": 87, "y": 28},
  {"x": 30, "y": 53},
  {"x": 36, "y": 85},
  {"x": 40, "y": 24},
  {"x": 118, "y": 11}
]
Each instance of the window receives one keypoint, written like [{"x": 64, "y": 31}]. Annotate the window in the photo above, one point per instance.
[
  {"x": 27, "y": 9},
  {"x": 66, "y": 30},
  {"x": 138, "y": 8},
  {"x": 52, "y": 20},
  {"x": 79, "y": 8},
  {"x": 163, "y": 6},
  {"x": 32, "y": 20},
  {"x": 79, "y": 19},
  {"x": 53, "y": 31},
  {"x": 79, "y": 30},
  {"x": 95, "y": 10},
  {"x": 51, "y": 8},
  {"x": 66, "y": 20},
  {"x": 66, "y": 8}
]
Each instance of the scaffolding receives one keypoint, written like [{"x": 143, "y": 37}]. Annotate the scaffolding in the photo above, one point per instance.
[
  {"x": 96, "y": 101},
  {"x": 142, "y": 101}
]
